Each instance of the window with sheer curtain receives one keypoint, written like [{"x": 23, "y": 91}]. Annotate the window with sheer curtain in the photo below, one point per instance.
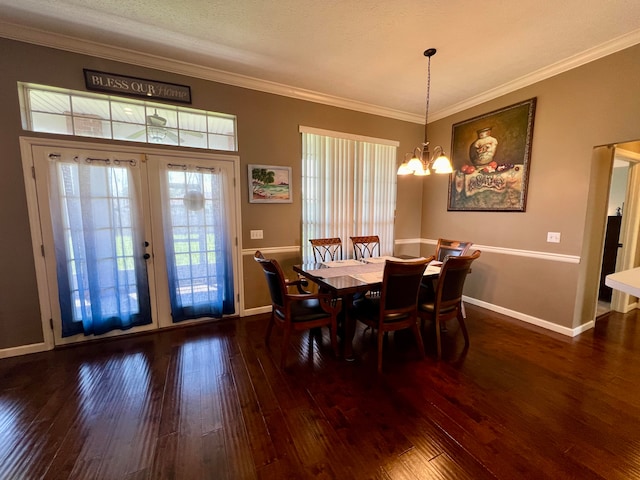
[{"x": 348, "y": 188}]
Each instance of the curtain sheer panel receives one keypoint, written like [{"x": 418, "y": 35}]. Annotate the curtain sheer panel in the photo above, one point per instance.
[
  {"x": 99, "y": 245},
  {"x": 348, "y": 188},
  {"x": 197, "y": 241}
]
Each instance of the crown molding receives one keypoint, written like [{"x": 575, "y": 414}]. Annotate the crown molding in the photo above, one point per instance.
[
  {"x": 620, "y": 43},
  {"x": 75, "y": 45},
  {"x": 95, "y": 49}
]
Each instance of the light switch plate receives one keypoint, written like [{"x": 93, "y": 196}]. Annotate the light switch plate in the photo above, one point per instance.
[
  {"x": 553, "y": 237},
  {"x": 256, "y": 234}
]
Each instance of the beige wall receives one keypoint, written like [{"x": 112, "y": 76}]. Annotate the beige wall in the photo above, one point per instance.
[
  {"x": 267, "y": 133},
  {"x": 592, "y": 105}
]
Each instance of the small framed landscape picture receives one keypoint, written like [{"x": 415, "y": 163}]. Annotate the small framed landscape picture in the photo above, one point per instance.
[{"x": 269, "y": 184}]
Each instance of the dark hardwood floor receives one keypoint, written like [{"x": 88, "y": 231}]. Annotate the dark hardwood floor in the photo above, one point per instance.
[{"x": 209, "y": 402}]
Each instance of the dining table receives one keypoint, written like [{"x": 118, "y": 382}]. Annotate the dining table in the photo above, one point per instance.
[{"x": 346, "y": 278}]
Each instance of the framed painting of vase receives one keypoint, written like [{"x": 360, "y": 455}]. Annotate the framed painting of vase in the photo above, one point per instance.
[
  {"x": 490, "y": 158},
  {"x": 269, "y": 184}
]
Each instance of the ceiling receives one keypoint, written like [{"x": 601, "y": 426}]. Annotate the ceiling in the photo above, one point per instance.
[{"x": 364, "y": 55}]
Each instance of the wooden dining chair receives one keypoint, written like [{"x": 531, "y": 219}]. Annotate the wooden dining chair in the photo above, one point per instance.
[
  {"x": 453, "y": 248},
  {"x": 447, "y": 303},
  {"x": 365, "y": 246},
  {"x": 326, "y": 249},
  {"x": 396, "y": 307},
  {"x": 295, "y": 311}
]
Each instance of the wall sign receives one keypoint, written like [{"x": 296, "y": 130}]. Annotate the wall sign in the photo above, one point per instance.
[{"x": 137, "y": 87}]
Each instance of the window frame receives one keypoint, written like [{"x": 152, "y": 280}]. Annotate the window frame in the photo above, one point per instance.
[
  {"x": 362, "y": 175},
  {"x": 175, "y": 133}
]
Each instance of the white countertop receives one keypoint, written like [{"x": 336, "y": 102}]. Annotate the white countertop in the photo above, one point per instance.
[{"x": 627, "y": 281}]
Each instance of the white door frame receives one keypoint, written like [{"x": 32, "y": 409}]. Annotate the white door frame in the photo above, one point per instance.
[
  {"x": 620, "y": 301},
  {"x": 26, "y": 148}
]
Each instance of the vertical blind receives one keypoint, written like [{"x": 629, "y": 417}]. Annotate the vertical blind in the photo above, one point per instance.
[{"x": 348, "y": 188}]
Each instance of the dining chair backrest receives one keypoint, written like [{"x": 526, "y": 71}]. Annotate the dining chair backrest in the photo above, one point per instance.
[
  {"x": 276, "y": 280},
  {"x": 397, "y": 306},
  {"x": 295, "y": 312},
  {"x": 326, "y": 249},
  {"x": 448, "y": 297},
  {"x": 365, "y": 246},
  {"x": 452, "y": 277},
  {"x": 452, "y": 248},
  {"x": 400, "y": 288},
  {"x": 300, "y": 283}
]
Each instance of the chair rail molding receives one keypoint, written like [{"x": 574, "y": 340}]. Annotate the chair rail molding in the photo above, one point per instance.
[
  {"x": 555, "y": 257},
  {"x": 285, "y": 249}
]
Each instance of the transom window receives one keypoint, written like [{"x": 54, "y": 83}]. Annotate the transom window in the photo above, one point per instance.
[{"x": 70, "y": 112}]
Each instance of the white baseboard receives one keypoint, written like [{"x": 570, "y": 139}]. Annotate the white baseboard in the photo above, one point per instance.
[
  {"x": 256, "y": 311},
  {"x": 23, "y": 350},
  {"x": 631, "y": 306},
  {"x": 494, "y": 308},
  {"x": 570, "y": 332}
]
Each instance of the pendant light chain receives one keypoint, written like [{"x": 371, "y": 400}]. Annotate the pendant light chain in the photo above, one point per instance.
[
  {"x": 421, "y": 161},
  {"x": 426, "y": 114}
]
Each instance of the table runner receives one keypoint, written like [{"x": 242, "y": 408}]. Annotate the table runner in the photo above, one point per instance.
[{"x": 365, "y": 272}]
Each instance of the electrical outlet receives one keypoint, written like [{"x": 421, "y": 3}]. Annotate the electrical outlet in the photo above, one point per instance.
[
  {"x": 553, "y": 237},
  {"x": 256, "y": 234}
]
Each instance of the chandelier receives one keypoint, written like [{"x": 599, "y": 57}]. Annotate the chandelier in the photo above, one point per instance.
[{"x": 421, "y": 162}]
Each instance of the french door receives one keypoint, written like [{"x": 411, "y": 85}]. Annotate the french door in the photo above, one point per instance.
[{"x": 134, "y": 241}]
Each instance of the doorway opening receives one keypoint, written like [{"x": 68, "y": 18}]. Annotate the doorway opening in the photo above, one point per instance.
[
  {"x": 628, "y": 256},
  {"x": 612, "y": 242}
]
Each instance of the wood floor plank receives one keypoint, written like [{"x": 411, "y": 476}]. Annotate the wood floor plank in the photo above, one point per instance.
[
  {"x": 238, "y": 447},
  {"x": 210, "y": 401}
]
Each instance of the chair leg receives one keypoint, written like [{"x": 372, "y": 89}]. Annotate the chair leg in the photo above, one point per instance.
[
  {"x": 285, "y": 345},
  {"x": 463, "y": 326},
  {"x": 380, "y": 341},
  {"x": 438, "y": 343},
  {"x": 269, "y": 328},
  {"x": 416, "y": 333}
]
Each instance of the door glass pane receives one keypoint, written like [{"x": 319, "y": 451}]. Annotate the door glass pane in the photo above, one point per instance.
[
  {"x": 197, "y": 241},
  {"x": 99, "y": 246}
]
